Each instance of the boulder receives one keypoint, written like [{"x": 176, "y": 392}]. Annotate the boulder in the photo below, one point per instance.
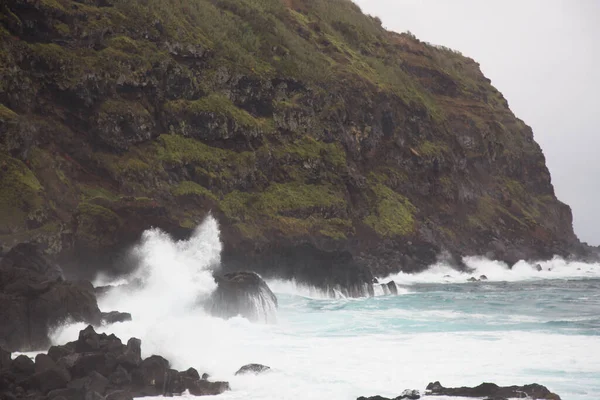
[
  {"x": 206, "y": 388},
  {"x": 252, "y": 368},
  {"x": 245, "y": 294},
  {"x": 491, "y": 390},
  {"x": 115, "y": 316},
  {"x": 483, "y": 278},
  {"x": 538, "y": 267}
]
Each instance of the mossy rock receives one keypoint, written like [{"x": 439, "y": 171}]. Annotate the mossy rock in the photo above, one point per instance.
[
  {"x": 97, "y": 226},
  {"x": 394, "y": 213},
  {"x": 21, "y": 195}
]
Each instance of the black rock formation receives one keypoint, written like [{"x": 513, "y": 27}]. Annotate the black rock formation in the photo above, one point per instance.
[
  {"x": 96, "y": 367},
  {"x": 532, "y": 391},
  {"x": 245, "y": 294}
]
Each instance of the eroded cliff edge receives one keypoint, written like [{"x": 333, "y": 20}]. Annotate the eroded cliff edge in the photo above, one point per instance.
[{"x": 319, "y": 140}]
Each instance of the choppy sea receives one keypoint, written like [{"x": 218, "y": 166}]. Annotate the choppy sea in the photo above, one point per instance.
[{"x": 519, "y": 326}]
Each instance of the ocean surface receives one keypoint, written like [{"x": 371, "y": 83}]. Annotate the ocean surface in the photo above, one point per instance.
[{"x": 520, "y": 326}]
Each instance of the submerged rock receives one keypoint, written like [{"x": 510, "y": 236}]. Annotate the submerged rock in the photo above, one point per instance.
[
  {"x": 252, "y": 368},
  {"x": 245, "y": 294},
  {"x": 494, "y": 391}
]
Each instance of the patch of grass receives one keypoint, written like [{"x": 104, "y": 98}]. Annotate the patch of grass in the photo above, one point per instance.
[
  {"x": 21, "y": 194},
  {"x": 187, "y": 188},
  {"x": 96, "y": 225},
  {"x": 432, "y": 149},
  {"x": 220, "y": 105},
  {"x": 307, "y": 148},
  {"x": 394, "y": 213},
  {"x": 278, "y": 198},
  {"x": 6, "y": 114}
]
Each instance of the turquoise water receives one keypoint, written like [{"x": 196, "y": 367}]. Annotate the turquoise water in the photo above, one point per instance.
[
  {"x": 545, "y": 331},
  {"x": 518, "y": 327}
]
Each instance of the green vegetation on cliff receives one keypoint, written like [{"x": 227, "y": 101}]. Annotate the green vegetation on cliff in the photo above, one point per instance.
[{"x": 290, "y": 119}]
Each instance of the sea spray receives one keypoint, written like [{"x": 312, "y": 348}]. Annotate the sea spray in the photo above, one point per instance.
[
  {"x": 497, "y": 271},
  {"x": 527, "y": 330}
]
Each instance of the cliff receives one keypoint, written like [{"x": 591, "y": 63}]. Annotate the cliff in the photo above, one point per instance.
[{"x": 320, "y": 141}]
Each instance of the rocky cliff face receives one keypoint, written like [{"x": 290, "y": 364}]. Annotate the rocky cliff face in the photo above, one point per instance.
[{"x": 320, "y": 141}]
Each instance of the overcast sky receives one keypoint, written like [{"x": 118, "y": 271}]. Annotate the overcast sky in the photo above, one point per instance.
[{"x": 544, "y": 56}]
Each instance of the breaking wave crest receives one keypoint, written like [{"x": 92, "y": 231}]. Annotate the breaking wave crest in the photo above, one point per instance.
[{"x": 496, "y": 271}]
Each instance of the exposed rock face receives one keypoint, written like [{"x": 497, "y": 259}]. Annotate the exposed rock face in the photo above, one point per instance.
[
  {"x": 533, "y": 391},
  {"x": 34, "y": 299},
  {"x": 319, "y": 136},
  {"x": 245, "y": 294},
  {"x": 99, "y": 366}
]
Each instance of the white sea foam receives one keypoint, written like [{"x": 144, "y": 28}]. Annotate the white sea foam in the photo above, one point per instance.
[
  {"x": 340, "y": 349},
  {"x": 496, "y": 271}
]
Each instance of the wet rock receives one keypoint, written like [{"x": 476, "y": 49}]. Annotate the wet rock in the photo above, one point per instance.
[
  {"x": 23, "y": 364},
  {"x": 494, "y": 391},
  {"x": 410, "y": 395},
  {"x": 538, "y": 267},
  {"x": 88, "y": 369},
  {"x": 115, "y": 316},
  {"x": 119, "y": 395},
  {"x": 206, "y": 388},
  {"x": 252, "y": 368},
  {"x": 120, "y": 377},
  {"x": 407, "y": 394},
  {"x": 245, "y": 294},
  {"x": 94, "y": 382},
  {"x": 150, "y": 378},
  {"x": 392, "y": 287},
  {"x": 472, "y": 279},
  {"x": 483, "y": 278},
  {"x": 58, "y": 352}
]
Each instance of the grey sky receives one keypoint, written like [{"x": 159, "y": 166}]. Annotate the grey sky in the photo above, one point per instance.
[{"x": 543, "y": 56}]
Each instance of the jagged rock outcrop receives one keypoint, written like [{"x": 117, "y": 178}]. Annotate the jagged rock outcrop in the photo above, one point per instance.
[
  {"x": 98, "y": 366},
  {"x": 310, "y": 132},
  {"x": 34, "y": 298},
  {"x": 533, "y": 391}
]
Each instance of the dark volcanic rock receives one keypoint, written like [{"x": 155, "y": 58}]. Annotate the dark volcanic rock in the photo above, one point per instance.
[
  {"x": 89, "y": 369},
  {"x": 25, "y": 262},
  {"x": 206, "y": 388},
  {"x": 5, "y": 359},
  {"x": 252, "y": 368},
  {"x": 392, "y": 287},
  {"x": 34, "y": 298},
  {"x": 492, "y": 390},
  {"x": 406, "y": 395},
  {"x": 115, "y": 316},
  {"x": 245, "y": 294}
]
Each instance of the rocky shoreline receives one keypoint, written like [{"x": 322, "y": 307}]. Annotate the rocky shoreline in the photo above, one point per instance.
[{"x": 98, "y": 366}]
